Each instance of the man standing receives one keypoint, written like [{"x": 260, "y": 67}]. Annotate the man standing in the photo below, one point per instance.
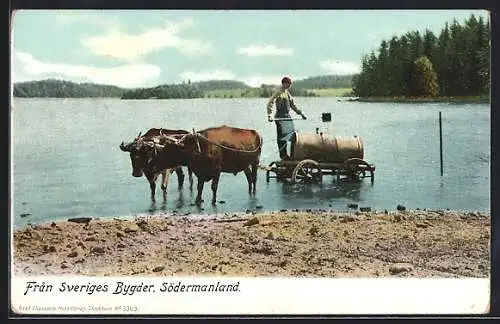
[{"x": 284, "y": 125}]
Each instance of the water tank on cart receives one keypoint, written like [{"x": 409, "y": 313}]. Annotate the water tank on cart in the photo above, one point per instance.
[{"x": 324, "y": 148}]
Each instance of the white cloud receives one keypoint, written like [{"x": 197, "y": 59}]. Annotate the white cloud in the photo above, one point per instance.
[
  {"x": 120, "y": 45},
  {"x": 217, "y": 74},
  {"x": 340, "y": 67},
  {"x": 264, "y": 50},
  {"x": 25, "y": 67}
]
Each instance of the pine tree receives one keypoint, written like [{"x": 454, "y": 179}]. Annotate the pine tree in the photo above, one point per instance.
[
  {"x": 429, "y": 44},
  {"x": 483, "y": 56},
  {"x": 381, "y": 70}
]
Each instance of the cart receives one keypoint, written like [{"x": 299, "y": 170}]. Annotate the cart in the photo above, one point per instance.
[
  {"x": 311, "y": 171},
  {"x": 314, "y": 155}
]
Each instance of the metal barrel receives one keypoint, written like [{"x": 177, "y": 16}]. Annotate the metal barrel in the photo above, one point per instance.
[{"x": 324, "y": 148}]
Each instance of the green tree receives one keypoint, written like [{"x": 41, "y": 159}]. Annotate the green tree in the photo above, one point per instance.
[
  {"x": 395, "y": 67},
  {"x": 442, "y": 58},
  {"x": 424, "y": 81},
  {"x": 429, "y": 44},
  {"x": 457, "y": 78},
  {"x": 381, "y": 70},
  {"x": 460, "y": 57},
  {"x": 483, "y": 56}
]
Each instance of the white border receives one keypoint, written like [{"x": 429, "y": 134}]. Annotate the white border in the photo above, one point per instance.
[{"x": 269, "y": 296}]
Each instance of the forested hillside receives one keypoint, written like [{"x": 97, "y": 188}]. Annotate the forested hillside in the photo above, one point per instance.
[
  {"x": 219, "y": 85},
  {"x": 64, "y": 89},
  {"x": 324, "y": 82},
  {"x": 214, "y": 88},
  {"x": 454, "y": 63},
  {"x": 175, "y": 91}
]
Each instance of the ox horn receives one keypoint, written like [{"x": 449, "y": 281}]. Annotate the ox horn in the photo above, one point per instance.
[
  {"x": 139, "y": 135},
  {"x": 124, "y": 147},
  {"x": 154, "y": 145},
  {"x": 171, "y": 139}
]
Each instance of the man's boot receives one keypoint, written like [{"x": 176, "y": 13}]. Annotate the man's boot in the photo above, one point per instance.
[{"x": 284, "y": 155}]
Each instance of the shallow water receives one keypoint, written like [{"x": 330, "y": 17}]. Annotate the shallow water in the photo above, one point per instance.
[{"x": 67, "y": 162}]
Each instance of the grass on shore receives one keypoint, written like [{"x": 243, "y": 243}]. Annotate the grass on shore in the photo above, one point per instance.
[
  {"x": 226, "y": 93},
  {"x": 332, "y": 92}
]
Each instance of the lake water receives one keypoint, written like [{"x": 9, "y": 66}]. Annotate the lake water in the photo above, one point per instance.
[{"x": 67, "y": 163}]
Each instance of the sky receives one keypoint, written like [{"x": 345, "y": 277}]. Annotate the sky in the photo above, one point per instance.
[{"x": 143, "y": 48}]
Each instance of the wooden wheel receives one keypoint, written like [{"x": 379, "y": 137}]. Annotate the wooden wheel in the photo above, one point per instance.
[
  {"x": 307, "y": 171},
  {"x": 357, "y": 168}
]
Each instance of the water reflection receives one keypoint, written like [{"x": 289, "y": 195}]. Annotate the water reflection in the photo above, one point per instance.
[
  {"x": 179, "y": 203},
  {"x": 277, "y": 194},
  {"x": 324, "y": 191},
  {"x": 252, "y": 202},
  {"x": 152, "y": 208}
]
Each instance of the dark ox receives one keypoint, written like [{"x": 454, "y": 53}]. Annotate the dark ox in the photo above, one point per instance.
[
  {"x": 144, "y": 155},
  {"x": 214, "y": 150}
]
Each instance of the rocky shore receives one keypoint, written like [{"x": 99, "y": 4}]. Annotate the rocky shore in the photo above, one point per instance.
[{"x": 287, "y": 243}]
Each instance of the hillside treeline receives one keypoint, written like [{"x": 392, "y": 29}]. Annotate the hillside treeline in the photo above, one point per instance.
[
  {"x": 324, "y": 82},
  {"x": 191, "y": 91},
  {"x": 212, "y": 85},
  {"x": 174, "y": 91},
  {"x": 52, "y": 88},
  {"x": 455, "y": 63},
  {"x": 185, "y": 90}
]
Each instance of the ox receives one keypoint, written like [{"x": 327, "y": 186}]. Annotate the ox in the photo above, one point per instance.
[
  {"x": 143, "y": 153},
  {"x": 214, "y": 150}
]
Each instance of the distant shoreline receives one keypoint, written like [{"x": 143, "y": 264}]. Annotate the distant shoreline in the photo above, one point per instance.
[
  {"x": 461, "y": 99},
  {"x": 325, "y": 85}
]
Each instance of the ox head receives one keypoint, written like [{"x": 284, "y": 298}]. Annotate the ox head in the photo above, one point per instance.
[
  {"x": 142, "y": 152},
  {"x": 189, "y": 144}
]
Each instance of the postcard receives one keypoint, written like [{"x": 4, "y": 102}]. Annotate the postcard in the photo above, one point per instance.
[{"x": 250, "y": 162}]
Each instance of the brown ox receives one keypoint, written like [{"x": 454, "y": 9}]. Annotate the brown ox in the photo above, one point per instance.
[
  {"x": 214, "y": 150},
  {"x": 143, "y": 155}
]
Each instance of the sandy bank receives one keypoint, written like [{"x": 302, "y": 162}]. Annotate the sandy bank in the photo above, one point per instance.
[{"x": 369, "y": 244}]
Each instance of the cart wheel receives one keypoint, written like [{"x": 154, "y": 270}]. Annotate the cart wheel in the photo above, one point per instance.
[
  {"x": 307, "y": 171},
  {"x": 355, "y": 169}
]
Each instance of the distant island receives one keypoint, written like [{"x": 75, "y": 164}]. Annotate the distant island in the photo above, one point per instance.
[{"x": 327, "y": 85}]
